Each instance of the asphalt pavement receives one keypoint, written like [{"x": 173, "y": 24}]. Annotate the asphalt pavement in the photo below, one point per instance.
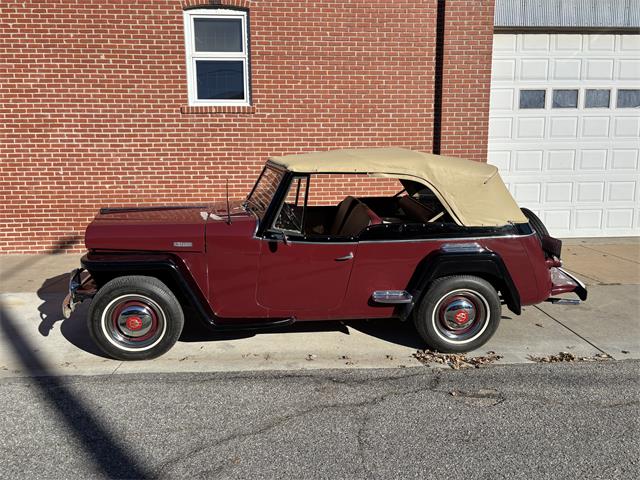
[{"x": 519, "y": 421}]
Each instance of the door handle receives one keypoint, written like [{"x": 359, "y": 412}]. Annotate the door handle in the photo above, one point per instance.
[{"x": 349, "y": 256}]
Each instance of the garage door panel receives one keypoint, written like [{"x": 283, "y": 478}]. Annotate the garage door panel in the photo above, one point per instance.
[
  {"x": 598, "y": 69},
  {"x": 629, "y": 69},
  {"x": 534, "y": 43},
  {"x": 534, "y": 69},
  {"x": 566, "y": 69},
  {"x": 559, "y": 160},
  {"x": 530, "y": 127},
  {"x": 593, "y": 127},
  {"x": 593, "y": 159},
  {"x": 528, "y": 161},
  {"x": 567, "y": 43},
  {"x": 577, "y": 165},
  {"x": 624, "y": 159},
  {"x": 627, "y": 127},
  {"x": 630, "y": 43},
  {"x": 621, "y": 192},
  {"x": 600, "y": 43},
  {"x": 563, "y": 127},
  {"x": 621, "y": 218}
]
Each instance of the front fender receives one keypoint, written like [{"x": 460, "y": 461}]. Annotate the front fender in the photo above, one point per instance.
[{"x": 165, "y": 266}]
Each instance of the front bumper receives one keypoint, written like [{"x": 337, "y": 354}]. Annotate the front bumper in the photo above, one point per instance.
[{"x": 81, "y": 287}]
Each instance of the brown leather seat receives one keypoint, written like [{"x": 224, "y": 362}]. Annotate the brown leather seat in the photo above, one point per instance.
[
  {"x": 360, "y": 218},
  {"x": 344, "y": 208},
  {"x": 416, "y": 210}
]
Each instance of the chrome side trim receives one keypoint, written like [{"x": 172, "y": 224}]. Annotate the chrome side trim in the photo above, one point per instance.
[
  {"x": 463, "y": 247},
  {"x": 327, "y": 241},
  {"x": 391, "y": 296},
  {"x": 448, "y": 239}
]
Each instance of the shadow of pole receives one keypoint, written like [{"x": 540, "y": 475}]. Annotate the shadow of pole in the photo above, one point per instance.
[{"x": 106, "y": 452}]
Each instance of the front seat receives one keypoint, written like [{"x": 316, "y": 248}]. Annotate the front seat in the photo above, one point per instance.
[
  {"x": 344, "y": 208},
  {"x": 360, "y": 218}
]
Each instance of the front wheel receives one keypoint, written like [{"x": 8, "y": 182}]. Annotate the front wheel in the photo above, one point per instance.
[
  {"x": 458, "y": 314},
  {"x": 135, "y": 318}
]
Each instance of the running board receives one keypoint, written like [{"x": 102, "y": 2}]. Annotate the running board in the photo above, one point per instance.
[
  {"x": 391, "y": 296},
  {"x": 282, "y": 322},
  {"x": 564, "y": 301}
]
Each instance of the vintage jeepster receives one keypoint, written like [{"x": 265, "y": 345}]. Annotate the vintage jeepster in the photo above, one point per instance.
[{"x": 445, "y": 251}]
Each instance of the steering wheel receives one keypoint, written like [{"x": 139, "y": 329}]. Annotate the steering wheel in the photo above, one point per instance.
[{"x": 290, "y": 215}]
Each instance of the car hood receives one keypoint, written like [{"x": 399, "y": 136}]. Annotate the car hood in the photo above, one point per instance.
[{"x": 174, "y": 228}]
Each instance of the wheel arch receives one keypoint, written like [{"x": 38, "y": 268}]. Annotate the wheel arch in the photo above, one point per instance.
[
  {"x": 167, "y": 268},
  {"x": 485, "y": 264}
]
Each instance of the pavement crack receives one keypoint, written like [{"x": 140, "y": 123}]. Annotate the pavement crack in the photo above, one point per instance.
[
  {"x": 573, "y": 331},
  {"x": 277, "y": 422}
]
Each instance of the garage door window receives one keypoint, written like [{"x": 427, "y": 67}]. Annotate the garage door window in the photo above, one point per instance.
[
  {"x": 597, "y": 98},
  {"x": 628, "y": 99},
  {"x": 217, "y": 57},
  {"x": 565, "y": 99},
  {"x": 532, "y": 98}
]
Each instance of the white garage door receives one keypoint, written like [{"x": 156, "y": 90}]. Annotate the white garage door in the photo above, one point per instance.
[{"x": 565, "y": 129}]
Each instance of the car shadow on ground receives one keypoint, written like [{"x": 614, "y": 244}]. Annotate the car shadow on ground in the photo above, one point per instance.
[
  {"x": 76, "y": 332},
  {"x": 74, "y": 329}
]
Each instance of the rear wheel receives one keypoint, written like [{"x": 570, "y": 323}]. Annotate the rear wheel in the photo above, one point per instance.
[
  {"x": 458, "y": 314},
  {"x": 135, "y": 318}
]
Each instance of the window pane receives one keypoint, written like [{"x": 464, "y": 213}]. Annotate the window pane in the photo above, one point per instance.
[
  {"x": 597, "y": 99},
  {"x": 532, "y": 98},
  {"x": 218, "y": 34},
  {"x": 628, "y": 99},
  {"x": 565, "y": 99},
  {"x": 220, "y": 80}
]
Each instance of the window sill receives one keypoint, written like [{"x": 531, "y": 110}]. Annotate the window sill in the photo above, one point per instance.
[{"x": 186, "y": 109}]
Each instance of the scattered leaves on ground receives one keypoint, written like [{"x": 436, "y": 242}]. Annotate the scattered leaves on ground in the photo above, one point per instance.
[
  {"x": 455, "y": 360},
  {"x": 568, "y": 357}
]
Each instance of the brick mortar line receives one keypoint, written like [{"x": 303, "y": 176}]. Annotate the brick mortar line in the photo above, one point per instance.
[{"x": 573, "y": 331}]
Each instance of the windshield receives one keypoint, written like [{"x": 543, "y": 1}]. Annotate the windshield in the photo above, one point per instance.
[{"x": 260, "y": 198}]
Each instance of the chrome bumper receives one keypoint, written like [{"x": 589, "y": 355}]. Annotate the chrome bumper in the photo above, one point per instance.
[
  {"x": 564, "y": 282},
  {"x": 80, "y": 288}
]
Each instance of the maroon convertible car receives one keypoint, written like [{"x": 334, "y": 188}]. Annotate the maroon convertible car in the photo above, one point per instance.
[{"x": 446, "y": 251}]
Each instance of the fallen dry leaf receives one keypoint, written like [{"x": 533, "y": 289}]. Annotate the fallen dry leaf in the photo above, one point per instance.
[
  {"x": 455, "y": 361},
  {"x": 568, "y": 357}
]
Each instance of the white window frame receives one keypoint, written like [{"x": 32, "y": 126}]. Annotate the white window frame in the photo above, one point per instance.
[{"x": 192, "y": 56}]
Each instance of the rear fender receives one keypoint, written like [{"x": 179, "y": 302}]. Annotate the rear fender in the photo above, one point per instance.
[{"x": 482, "y": 263}]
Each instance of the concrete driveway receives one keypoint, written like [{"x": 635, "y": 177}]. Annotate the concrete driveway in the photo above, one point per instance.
[{"x": 34, "y": 340}]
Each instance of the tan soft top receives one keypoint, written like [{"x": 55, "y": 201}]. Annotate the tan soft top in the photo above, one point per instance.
[{"x": 473, "y": 192}]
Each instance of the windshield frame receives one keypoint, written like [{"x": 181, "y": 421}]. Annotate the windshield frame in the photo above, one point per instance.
[{"x": 262, "y": 210}]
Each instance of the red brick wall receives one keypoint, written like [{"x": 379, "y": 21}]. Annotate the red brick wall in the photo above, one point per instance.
[
  {"x": 466, "y": 79},
  {"x": 93, "y": 102}
]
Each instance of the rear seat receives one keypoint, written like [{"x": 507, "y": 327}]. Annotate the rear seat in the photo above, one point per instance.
[
  {"x": 360, "y": 218},
  {"x": 417, "y": 210}
]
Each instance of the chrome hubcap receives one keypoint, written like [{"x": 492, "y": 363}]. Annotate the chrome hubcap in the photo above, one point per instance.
[
  {"x": 135, "y": 320},
  {"x": 459, "y": 313},
  {"x": 460, "y": 316}
]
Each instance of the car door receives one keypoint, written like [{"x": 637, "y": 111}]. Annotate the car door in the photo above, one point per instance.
[{"x": 295, "y": 274}]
